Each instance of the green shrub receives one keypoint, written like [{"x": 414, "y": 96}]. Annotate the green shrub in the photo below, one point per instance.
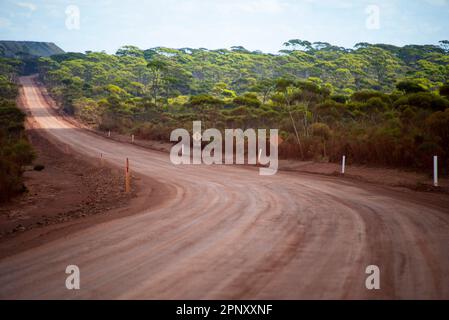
[{"x": 15, "y": 151}]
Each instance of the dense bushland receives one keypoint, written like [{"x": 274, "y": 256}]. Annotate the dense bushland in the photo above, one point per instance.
[
  {"x": 378, "y": 104},
  {"x": 15, "y": 151}
]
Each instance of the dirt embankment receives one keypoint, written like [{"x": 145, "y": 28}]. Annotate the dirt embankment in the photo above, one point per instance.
[{"x": 68, "y": 189}]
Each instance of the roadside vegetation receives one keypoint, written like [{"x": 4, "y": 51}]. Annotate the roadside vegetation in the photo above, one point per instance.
[
  {"x": 377, "y": 104},
  {"x": 15, "y": 151}
]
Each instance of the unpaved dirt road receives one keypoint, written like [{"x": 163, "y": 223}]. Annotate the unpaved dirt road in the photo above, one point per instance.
[{"x": 226, "y": 232}]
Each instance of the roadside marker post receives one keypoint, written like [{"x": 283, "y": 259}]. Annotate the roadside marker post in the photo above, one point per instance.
[
  {"x": 127, "y": 177},
  {"x": 109, "y": 133},
  {"x": 343, "y": 165},
  {"x": 435, "y": 171},
  {"x": 132, "y": 138}
]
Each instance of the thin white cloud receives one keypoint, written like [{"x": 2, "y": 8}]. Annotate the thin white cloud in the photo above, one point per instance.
[
  {"x": 227, "y": 7},
  {"x": 4, "y": 23},
  {"x": 27, "y": 5},
  {"x": 439, "y": 3},
  {"x": 262, "y": 6},
  {"x": 337, "y": 4}
]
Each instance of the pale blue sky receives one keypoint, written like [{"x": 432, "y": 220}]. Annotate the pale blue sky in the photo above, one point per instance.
[{"x": 254, "y": 24}]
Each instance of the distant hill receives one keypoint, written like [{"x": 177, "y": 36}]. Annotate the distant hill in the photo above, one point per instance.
[{"x": 21, "y": 49}]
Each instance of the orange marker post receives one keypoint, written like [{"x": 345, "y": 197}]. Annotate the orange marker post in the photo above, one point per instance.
[{"x": 127, "y": 177}]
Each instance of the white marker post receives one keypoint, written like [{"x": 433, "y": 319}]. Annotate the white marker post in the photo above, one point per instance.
[
  {"x": 435, "y": 171},
  {"x": 132, "y": 138},
  {"x": 109, "y": 133},
  {"x": 343, "y": 165}
]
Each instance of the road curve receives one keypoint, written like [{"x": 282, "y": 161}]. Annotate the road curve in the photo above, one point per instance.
[{"x": 227, "y": 233}]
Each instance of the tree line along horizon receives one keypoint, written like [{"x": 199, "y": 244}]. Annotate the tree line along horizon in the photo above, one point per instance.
[{"x": 378, "y": 104}]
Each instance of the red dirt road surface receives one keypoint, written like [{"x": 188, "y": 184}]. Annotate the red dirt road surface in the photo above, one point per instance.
[{"x": 224, "y": 232}]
